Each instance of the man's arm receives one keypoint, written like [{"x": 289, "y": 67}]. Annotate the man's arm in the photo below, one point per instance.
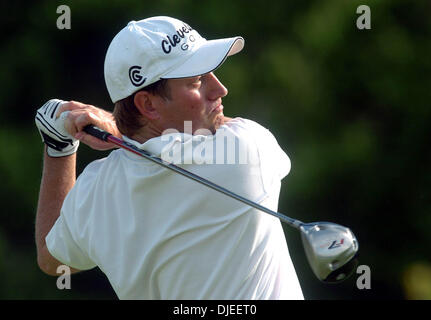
[
  {"x": 59, "y": 166},
  {"x": 58, "y": 177}
]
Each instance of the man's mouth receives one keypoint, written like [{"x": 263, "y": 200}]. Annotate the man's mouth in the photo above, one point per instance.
[{"x": 217, "y": 109}]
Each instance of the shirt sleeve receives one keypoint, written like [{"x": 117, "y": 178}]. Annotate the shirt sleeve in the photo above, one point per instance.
[
  {"x": 63, "y": 247},
  {"x": 274, "y": 162},
  {"x": 274, "y": 155},
  {"x": 62, "y": 240}
]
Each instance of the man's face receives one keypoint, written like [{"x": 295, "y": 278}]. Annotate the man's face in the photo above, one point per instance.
[{"x": 196, "y": 99}]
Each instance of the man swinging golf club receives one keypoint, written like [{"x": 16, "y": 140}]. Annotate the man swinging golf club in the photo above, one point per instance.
[{"x": 154, "y": 233}]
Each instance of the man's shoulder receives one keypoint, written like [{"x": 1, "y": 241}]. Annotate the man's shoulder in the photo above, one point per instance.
[
  {"x": 249, "y": 128},
  {"x": 239, "y": 124},
  {"x": 93, "y": 167},
  {"x": 243, "y": 122},
  {"x": 96, "y": 166}
]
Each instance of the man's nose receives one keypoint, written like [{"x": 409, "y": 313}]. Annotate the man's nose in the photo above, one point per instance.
[{"x": 217, "y": 89}]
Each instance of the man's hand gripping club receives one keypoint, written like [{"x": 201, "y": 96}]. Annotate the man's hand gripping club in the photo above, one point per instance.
[{"x": 60, "y": 124}]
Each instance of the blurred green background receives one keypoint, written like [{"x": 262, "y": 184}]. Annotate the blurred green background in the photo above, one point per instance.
[{"x": 351, "y": 108}]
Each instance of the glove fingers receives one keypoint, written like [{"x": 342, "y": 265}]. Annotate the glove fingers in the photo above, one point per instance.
[
  {"x": 51, "y": 128},
  {"x": 50, "y": 107}
]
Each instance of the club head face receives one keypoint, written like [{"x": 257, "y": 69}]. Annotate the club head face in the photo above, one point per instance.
[{"x": 331, "y": 250}]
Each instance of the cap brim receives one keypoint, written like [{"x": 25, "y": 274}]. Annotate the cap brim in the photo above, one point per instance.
[{"x": 207, "y": 58}]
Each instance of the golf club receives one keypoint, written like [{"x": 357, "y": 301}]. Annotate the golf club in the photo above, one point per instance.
[{"x": 331, "y": 249}]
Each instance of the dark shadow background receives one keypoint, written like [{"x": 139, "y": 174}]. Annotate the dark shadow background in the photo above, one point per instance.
[{"x": 351, "y": 108}]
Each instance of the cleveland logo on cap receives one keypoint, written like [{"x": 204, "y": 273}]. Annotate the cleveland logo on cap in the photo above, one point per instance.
[
  {"x": 135, "y": 76},
  {"x": 172, "y": 41}
]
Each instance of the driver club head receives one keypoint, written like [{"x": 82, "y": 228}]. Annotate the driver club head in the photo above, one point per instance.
[{"x": 331, "y": 250}]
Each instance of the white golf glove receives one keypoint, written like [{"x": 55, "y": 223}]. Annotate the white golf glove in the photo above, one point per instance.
[{"x": 59, "y": 142}]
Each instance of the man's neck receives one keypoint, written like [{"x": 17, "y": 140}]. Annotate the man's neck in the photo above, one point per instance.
[
  {"x": 150, "y": 131},
  {"x": 146, "y": 133}
]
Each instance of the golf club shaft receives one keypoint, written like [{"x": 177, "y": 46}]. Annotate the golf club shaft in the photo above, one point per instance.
[{"x": 106, "y": 136}]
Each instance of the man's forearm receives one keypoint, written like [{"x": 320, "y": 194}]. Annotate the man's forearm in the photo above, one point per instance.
[
  {"x": 59, "y": 175},
  {"x": 55, "y": 120}
]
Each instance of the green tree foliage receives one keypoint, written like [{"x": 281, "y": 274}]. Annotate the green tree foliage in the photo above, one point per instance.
[{"x": 351, "y": 108}]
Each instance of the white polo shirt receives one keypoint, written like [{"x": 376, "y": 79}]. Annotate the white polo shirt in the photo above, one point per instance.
[{"x": 159, "y": 235}]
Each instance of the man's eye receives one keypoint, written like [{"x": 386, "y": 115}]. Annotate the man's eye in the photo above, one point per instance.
[{"x": 195, "y": 82}]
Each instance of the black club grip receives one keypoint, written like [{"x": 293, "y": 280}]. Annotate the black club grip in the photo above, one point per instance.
[{"x": 96, "y": 132}]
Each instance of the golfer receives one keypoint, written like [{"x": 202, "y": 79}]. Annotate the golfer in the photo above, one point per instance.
[{"x": 154, "y": 233}]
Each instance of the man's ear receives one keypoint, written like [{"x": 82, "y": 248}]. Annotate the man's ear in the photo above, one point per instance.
[{"x": 145, "y": 102}]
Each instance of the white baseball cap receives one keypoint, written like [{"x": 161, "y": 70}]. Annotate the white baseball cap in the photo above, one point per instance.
[{"x": 157, "y": 48}]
